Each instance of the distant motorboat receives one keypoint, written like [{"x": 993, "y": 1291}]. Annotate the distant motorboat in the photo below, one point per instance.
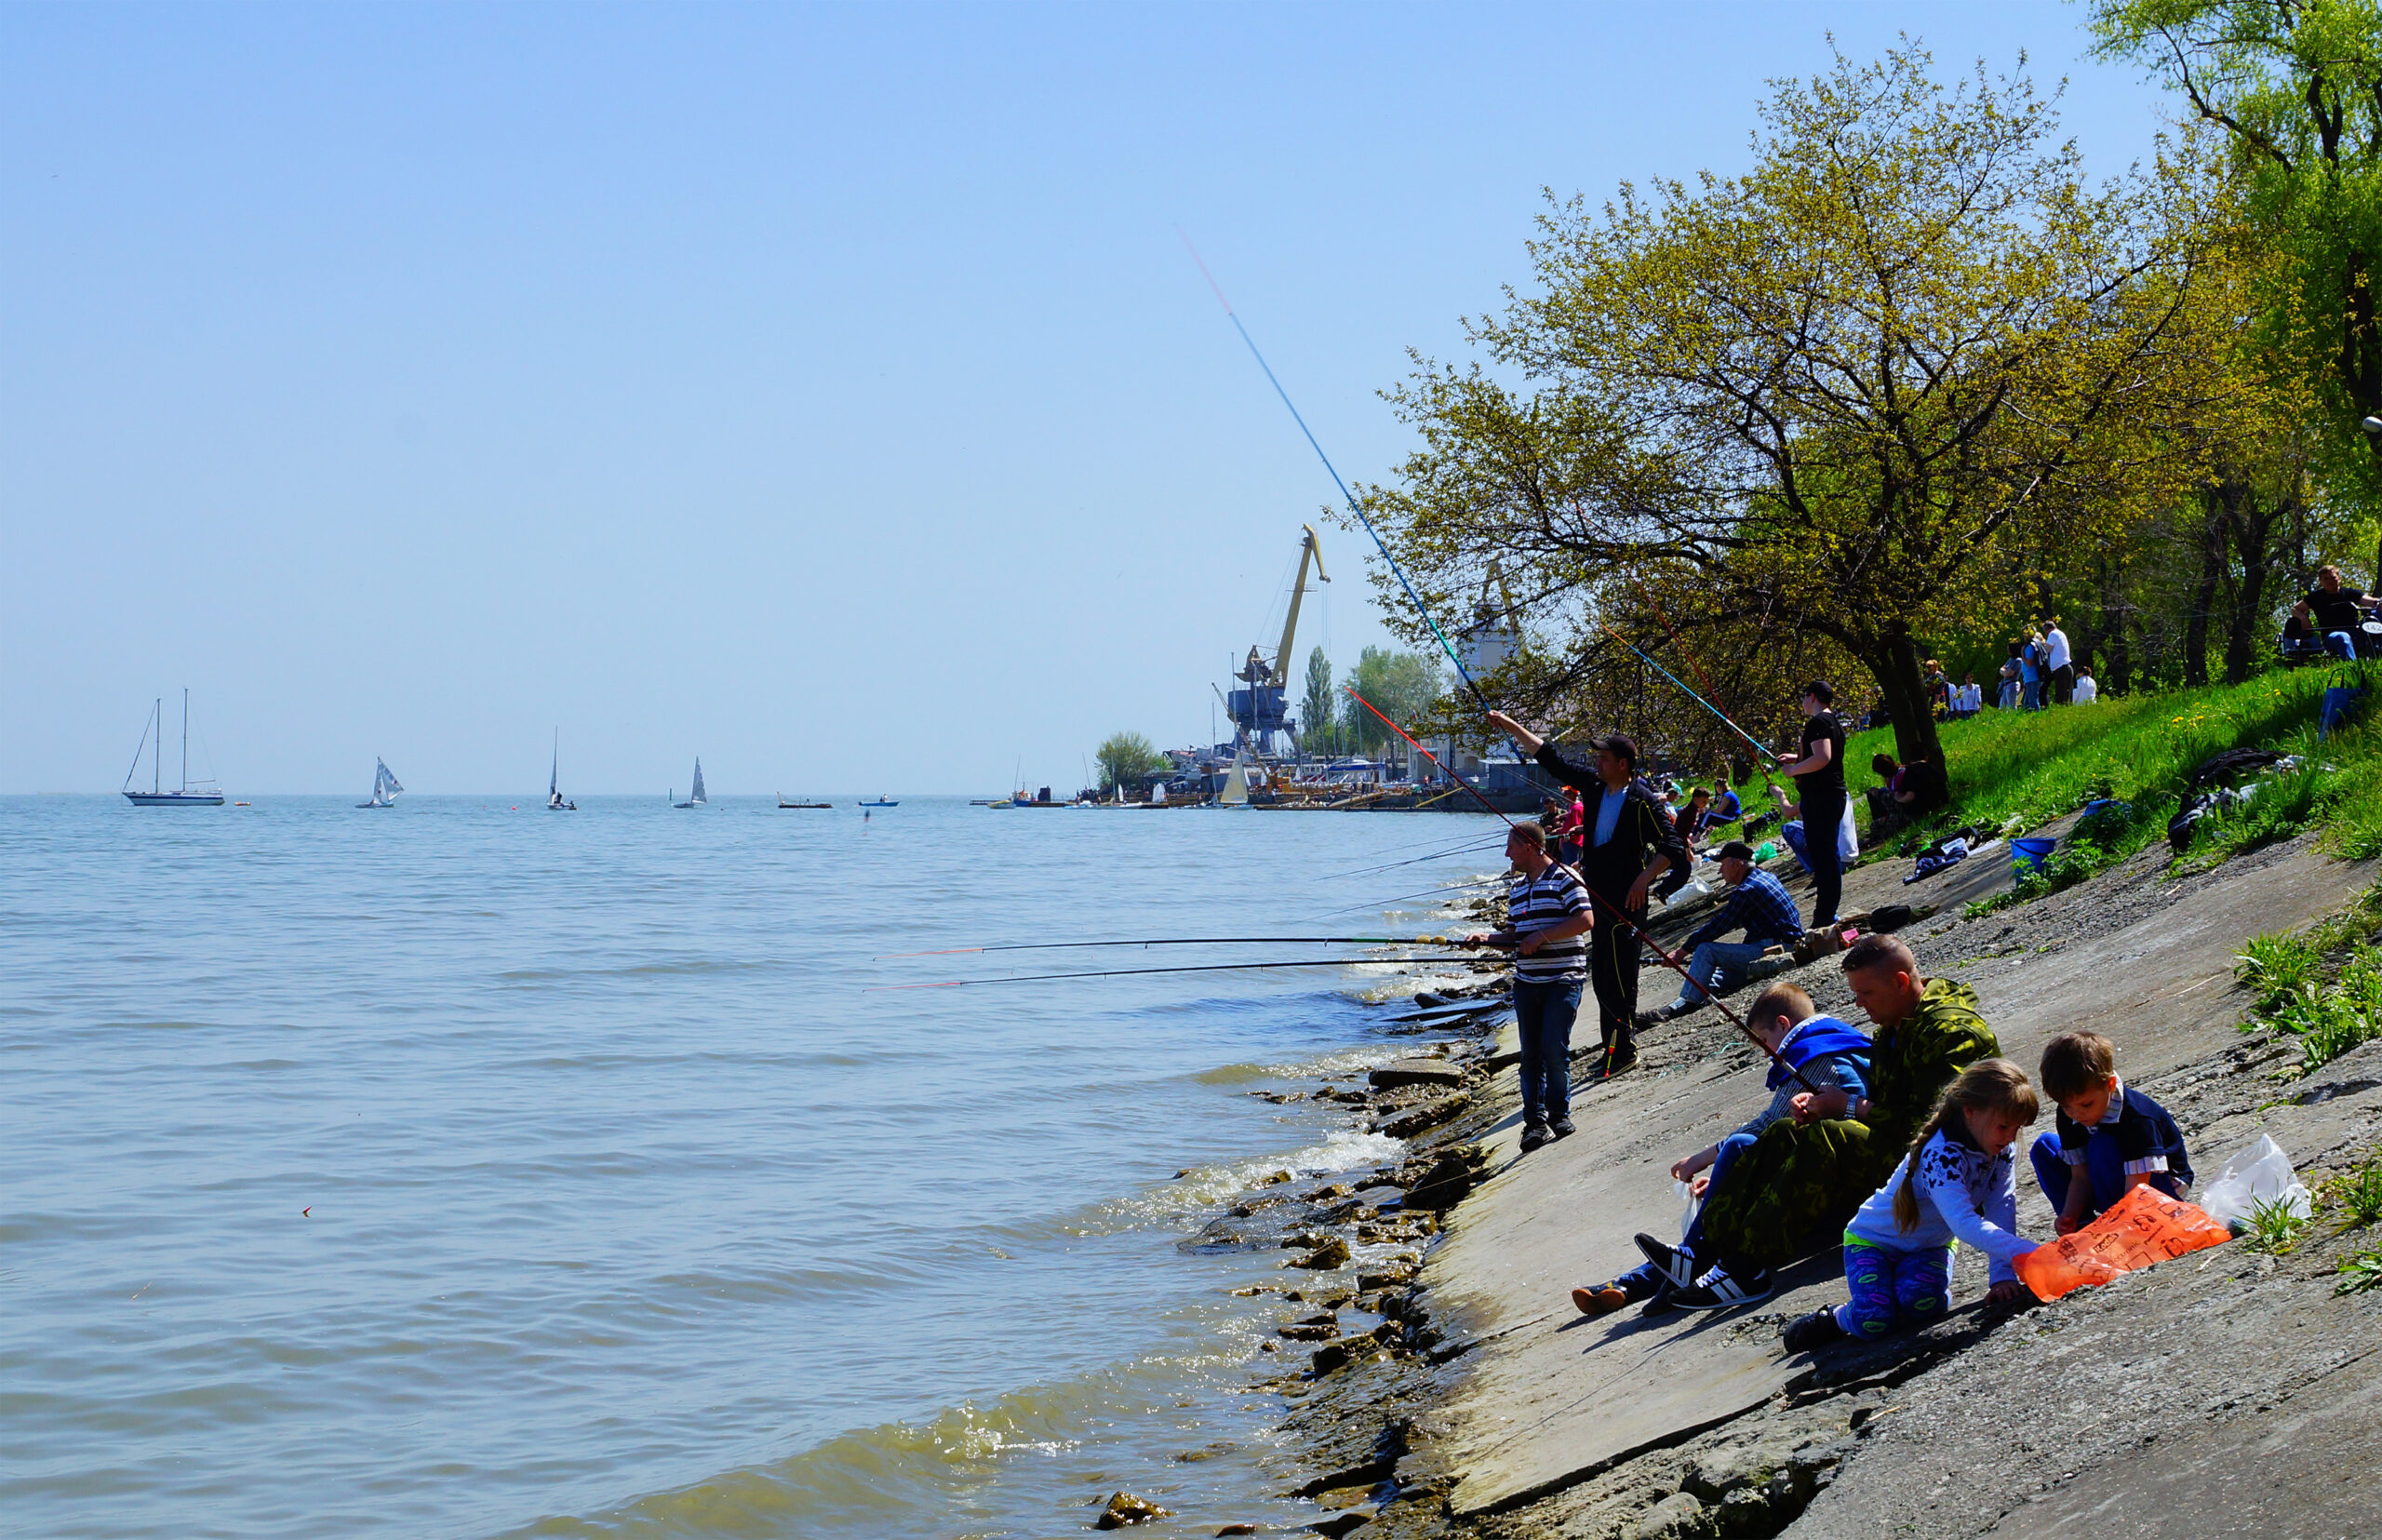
[
  {"x": 206, "y": 796},
  {"x": 880, "y": 802},
  {"x": 784, "y": 804},
  {"x": 695, "y": 799},
  {"x": 554, "y": 781},
  {"x": 385, "y": 786}
]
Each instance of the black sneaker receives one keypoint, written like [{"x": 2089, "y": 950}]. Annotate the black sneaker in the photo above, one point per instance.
[
  {"x": 1533, "y": 1136},
  {"x": 1562, "y": 1127},
  {"x": 1718, "y": 1290},
  {"x": 1816, "y": 1330},
  {"x": 1616, "y": 1064},
  {"x": 1676, "y": 1264},
  {"x": 1655, "y": 1017}
]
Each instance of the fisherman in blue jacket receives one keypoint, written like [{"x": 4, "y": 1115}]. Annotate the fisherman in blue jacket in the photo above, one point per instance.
[{"x": 1825, "y": 1052}]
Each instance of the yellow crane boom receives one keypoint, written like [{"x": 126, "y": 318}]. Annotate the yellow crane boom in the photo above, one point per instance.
[{"x": 1309, "y": 549}]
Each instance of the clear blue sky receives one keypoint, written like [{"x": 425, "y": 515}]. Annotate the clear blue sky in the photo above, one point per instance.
[{"x": 822, "y": 390}]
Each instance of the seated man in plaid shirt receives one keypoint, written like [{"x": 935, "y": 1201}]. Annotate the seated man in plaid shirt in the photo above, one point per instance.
[{"x": 1759, "y": 903}]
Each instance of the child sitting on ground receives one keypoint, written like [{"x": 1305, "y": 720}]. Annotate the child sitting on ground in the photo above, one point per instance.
[
  {"x": 1958, "y": 1182},
  {"x": 2108, "y": 1138},
  {"x": 1823, "y": 1051}
]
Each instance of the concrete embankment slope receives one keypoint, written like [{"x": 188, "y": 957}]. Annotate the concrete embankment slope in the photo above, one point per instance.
[{"x": 1551, "y": 1402}]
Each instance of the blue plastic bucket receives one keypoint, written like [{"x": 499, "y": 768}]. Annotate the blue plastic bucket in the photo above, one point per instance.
[{"x": 2028, "y": 855}]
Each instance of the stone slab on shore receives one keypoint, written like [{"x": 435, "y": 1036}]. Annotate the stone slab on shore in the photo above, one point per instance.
[{"x": 1550, "y": 1398}]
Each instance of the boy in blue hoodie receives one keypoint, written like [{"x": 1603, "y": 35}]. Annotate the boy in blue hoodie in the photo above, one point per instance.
[
  {"x": 1824, "y": 1050},
  {"x": 2108, "y": 1139}
]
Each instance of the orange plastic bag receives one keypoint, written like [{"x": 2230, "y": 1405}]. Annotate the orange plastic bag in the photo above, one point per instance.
[{"x": 2144, "y": 1227}]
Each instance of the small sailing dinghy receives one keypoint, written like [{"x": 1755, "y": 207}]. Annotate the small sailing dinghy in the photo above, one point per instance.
[
  {"x": 385, "y": 786},
  {"x": 206, "y": 794},
  {"x": 554, "y": 781},
  {"x": 880, "y": 802},
  {"x": 695, "y": 799}
]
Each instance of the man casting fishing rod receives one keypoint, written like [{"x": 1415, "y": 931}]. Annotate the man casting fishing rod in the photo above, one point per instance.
[
  {"x": 1546, "y": 915},
  {"x": 1627, "y": 841}
]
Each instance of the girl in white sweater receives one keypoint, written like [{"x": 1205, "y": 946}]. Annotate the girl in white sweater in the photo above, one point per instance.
[{"x": 1957, "y": 1183}]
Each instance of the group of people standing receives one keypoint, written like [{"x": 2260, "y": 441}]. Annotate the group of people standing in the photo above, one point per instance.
[
  {"x": 2041, "y": 670},
  {"x": 1579, "y": 891}
]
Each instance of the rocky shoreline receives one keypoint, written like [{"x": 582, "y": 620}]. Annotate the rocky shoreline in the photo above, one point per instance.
[{"x": 1445, "y": 1388}]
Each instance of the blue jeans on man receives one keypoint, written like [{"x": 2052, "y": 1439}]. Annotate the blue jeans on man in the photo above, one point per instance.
[
  {"x": 2341, "y": 645},
  {"x": 1724, "y": 961},
  {"x": 1544, "y": 1013}
]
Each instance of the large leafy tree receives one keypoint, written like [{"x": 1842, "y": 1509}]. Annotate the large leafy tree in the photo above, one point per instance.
[
  {"x": 1405, "y": 687},
  {"x": 1127, "y": 759},
  {"x": 1825, "y": 399},
  {"x": 2297, "y": 88}
]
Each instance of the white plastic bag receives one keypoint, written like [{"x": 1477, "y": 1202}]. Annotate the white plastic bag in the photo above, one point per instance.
[
  {"x": 2261, "y": 1174},
  {"x": 1686, "y": 1192}
]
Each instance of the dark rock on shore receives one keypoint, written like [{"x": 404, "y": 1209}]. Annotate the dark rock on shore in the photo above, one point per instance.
[
  {"x": 1331, "y": 1253},
  {"x": 1415, "y": 1072},
  {"x": 1125, "y": 1508}
]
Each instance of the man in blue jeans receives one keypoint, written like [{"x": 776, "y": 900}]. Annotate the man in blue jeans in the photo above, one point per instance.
[
  {"x": 2335, "y": 612},
  {"x": 1756, "y": 903},
  {"x": 1546, "y": 915}
]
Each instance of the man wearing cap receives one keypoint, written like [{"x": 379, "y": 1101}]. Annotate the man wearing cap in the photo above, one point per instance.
[
  {"x": 1756, "y": 902},
  {"x": 1627, "y": 843}
]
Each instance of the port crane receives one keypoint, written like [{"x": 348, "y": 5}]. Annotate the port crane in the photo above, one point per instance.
[{"x": 1260, "y": 708}]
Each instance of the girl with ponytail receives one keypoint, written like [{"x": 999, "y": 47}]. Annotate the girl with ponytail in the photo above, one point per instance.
[{"x": 1957, "y": 1183}]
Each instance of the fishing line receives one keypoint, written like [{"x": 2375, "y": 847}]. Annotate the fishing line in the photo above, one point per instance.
[
  {"x": 1190, "y": 941},
  {"x": 1399, "y": 898},
  {"x": 1699, "y": 700},
  {"x": 1129, "y": 972},
  {"x": 1354, "y": 507},
  {"x": 1640, "y": 930},
  {"x": 1476, "y": 847}
]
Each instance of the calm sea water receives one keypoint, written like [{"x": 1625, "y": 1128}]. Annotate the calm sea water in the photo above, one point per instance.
[{"x": 463, "y": 1169}]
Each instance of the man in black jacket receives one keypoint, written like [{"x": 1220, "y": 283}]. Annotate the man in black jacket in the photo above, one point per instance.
[{"x": 1628, "y": 842}]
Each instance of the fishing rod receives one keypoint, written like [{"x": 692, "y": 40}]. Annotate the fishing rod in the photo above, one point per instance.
[
  {"x": 1128, "y": 972},
  {"x": 1673, "y": 963},
  {"x": 1699, "y": 700},
  {"x": 1426, "y": 893},
  {"x": 1190, "y": 941},
  {"x": 1354, "y": 507},
  {"x": 1472, "y": 848}
]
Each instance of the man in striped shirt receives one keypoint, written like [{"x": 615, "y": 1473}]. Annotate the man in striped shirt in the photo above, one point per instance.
[{"x": 1546, "y": 915}]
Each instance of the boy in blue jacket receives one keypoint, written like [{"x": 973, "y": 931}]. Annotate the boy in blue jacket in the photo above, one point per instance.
[
  {"x": 1825, "y": 1051},
  {"x": 2108, "y": 1139}
]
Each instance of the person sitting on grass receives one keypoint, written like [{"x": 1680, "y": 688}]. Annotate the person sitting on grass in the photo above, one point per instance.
[
  {"x": 2086, "y": 690},
  {"x": 1726, "y": 808},
  {"x": 1759, "y": 905},
  {"x": 2108, "y": 1138},
  {"x": 1822, "y": 1050},
  {"x": 1805, "y": 1177},
  {"x": 1957, "y": 1183},
  {"x": 2336, "y": 612}
]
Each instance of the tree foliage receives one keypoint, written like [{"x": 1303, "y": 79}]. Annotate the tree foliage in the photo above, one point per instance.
[
  {"x": 1127, "y": 759},
  {"x": 1405, "y": 687},
  {"x": 1822, "y": 407},
  {"x": 2297, "y": 88},
  {"x": 1319, "y": 708}
]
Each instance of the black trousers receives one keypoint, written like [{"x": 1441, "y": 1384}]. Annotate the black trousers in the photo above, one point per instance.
[
  {"x": 1613, "y": 970},
  {"x": 1823, "y": 810}
]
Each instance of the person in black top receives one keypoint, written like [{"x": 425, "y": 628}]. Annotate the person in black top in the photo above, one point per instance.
[
  {"x": 2335, "y": 611},
  {"x": 1628, "y": 842},
  {"x": 1819, "y": 784}
]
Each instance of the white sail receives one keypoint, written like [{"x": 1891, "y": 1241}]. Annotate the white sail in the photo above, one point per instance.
[
  {"x": 697, "y": 799},
  {"x": 1235, "y": 792},
  {"x": 388, "y": 776}
]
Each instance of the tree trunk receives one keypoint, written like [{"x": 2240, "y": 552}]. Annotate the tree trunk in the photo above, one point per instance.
[
  {"x": 2253, "y": 525},
  {"x": 1898, "y": 663},
  {"x": 2211, "y": 570},
  {"x": 2119, "y": 661}
]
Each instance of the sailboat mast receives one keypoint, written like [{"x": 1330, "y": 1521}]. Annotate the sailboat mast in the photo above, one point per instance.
[
  {"x": 185, "y": 738},
  {"x": 157, "y": 751}
]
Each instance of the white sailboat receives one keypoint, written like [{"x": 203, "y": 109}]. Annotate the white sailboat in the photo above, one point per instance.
[
  {"x": 553, "y": 782},
  {"x": 385, "y": 786},
  {"x": 1235, "y": 792},
  {"x": 694, "y": 798},
  {"x": 205, "y": 795}
]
